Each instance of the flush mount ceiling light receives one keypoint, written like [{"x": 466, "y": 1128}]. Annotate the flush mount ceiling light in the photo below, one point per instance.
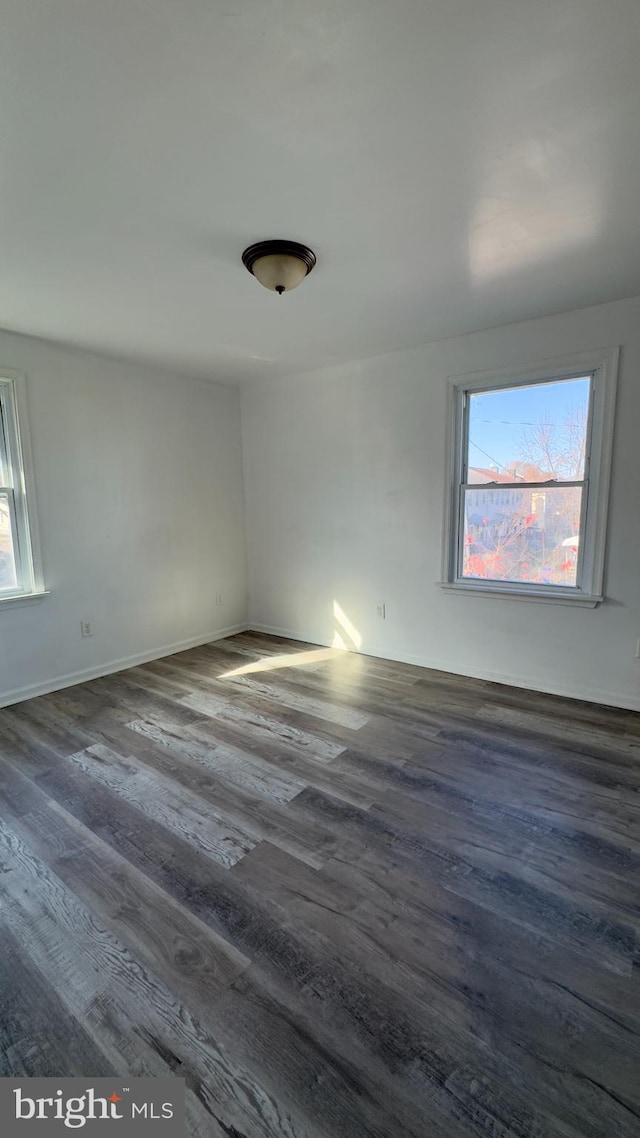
[{"x": 279, "y": 265}]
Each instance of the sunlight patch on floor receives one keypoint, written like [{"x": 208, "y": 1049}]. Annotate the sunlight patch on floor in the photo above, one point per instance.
[
  {"x": 291, "y": 660},
  {"x": 346, "y": 638}
]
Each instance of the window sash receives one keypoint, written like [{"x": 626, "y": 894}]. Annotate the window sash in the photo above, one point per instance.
[
  {"x": 601, "y": 367},
  {"x": 16, "y": 545},
  {"x": 550, "y": 484},
  {"x": 14, "y": 460},
  {"x": 508, "y": 583}
]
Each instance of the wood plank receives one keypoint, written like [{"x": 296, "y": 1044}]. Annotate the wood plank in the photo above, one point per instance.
[
  {"x": 502, "y": 891},
  {"x": 38, "y": 1035},
  {"x": 164, "y": 801},
  {"x": 234, "y": 765},
  {"x": 262, "y": 726},
  {"x": 460, "y": 990},
  {"x": 156, "y": 1034},
  {"x": 156, "y": 929}
]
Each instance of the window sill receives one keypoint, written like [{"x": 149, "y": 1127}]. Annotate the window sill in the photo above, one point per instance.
[
  {"x": 581, "y": 600},
  {"x": 25, "y": 598}
]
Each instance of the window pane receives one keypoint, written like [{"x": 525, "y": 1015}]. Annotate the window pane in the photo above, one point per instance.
[
  {"x": 8, "y": 575},
  {"x": 522, "y": 534},
  {"x": 529, "y": 434},
  {"x": 5, "y": 473}
]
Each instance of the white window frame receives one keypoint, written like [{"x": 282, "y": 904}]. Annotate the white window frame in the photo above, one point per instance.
[
  {"x": 602, "y": 366},
  {"x": 16, "y": 447}
]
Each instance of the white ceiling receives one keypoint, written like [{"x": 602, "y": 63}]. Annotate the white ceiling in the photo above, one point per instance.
[{"x": 455, "y": 164}]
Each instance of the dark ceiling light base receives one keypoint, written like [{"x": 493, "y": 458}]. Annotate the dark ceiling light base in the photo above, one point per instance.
[{"x": 279, "y": 265}]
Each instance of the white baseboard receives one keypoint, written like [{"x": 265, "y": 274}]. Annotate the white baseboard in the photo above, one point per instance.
[
  {"x": 67, "y": 681},
  {"x": 595, "y": 695},
  {"x": 590, "y": 694}
]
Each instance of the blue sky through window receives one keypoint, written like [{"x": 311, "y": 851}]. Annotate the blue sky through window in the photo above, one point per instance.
[{"x": 498, "y": 418}]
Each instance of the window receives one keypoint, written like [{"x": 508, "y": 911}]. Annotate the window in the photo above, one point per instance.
[
  {"x": 530, "y": 461},
  {"x": 19, "y": 567}
]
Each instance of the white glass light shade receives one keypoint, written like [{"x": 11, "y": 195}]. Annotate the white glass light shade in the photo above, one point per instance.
[{"x": 279, "y": 271}]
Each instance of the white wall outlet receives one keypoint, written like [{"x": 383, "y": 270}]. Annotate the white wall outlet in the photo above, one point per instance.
[
  {"x": 86, "y": 628},
  {"x": 638, "y": 648},
  {"x": 381, "y": 610},
  {"x": 219, "y": 599}
]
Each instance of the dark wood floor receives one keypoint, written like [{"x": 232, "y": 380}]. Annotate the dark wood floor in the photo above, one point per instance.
[{"x": 340, "y": 896}]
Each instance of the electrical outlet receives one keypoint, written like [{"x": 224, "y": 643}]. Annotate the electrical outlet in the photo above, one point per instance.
[
  {"x": 219, "y": 599},
  {"x": 638, "y": 648},
  {"x": 86, "y": 628},
  {"x": 381, "y": 610}
]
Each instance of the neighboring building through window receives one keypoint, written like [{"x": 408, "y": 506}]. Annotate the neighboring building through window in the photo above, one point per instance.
[
  {"x": 19, "y": 567},
  {"x": 530, "y": 470}
]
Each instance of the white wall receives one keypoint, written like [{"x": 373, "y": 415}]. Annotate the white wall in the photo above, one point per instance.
[
  {"x": 344, "y": 484},
  {"x": 140, "y": 502}
]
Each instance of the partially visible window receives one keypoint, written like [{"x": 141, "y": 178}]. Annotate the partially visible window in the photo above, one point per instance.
[
  {"x": 19, "y": 574},
  {"x": 530, "y": 479}
]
